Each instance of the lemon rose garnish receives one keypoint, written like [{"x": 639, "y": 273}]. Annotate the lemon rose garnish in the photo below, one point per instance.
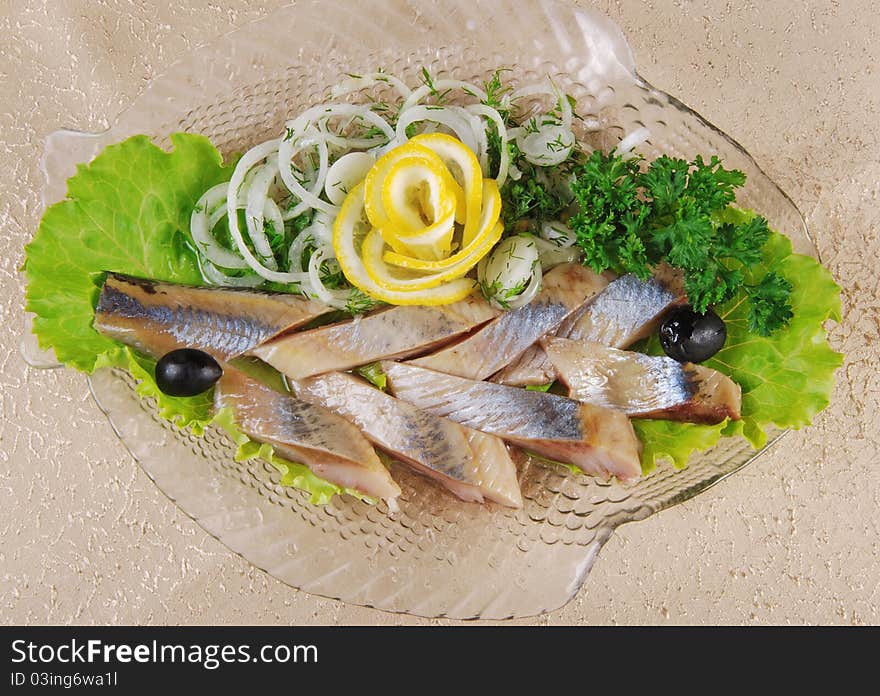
[{"x": 421, "y": 219}]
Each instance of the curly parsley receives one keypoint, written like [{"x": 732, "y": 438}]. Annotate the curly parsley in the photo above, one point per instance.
[{"x": 629, "y": 220}]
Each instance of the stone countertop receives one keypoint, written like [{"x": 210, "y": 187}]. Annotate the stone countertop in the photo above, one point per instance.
[{"x": 85, "y": 537}]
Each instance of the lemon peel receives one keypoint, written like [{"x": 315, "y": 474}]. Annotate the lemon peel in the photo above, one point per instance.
[{"x": 422, "y": 218}]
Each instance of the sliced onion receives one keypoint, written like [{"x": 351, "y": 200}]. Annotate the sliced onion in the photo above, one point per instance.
[
  {"x": 549, "y": 146},
  {"x": 297, "y": 248},
  {"x": 236, "y": 189},
  {"x": 504, "y": 155},
  {"x": 356, "y": 84},
  {"x": 209, "y": 210},
  {"x": 259, "y": 206},
  {"x": 346, "y": 172},
  {"x": 322, "y": 227},
  {"x": 316, "y": 289},
  {"x": 287, "y": 150},
  {"x": 513, "y": 263},
  {"x": 355, "y": 112},
  {"x": 318, "y": 116},
  {"x": 559, "y": 234},
  {"x": 632, "y": 141},
  {"x": 551, "y": 142},
  {"x": 564, "y": 105},
  {"x": 217, "y": 277},
  {"x": 552, "y": 255},
  {"x": 441, "y": 86},
  {"x": 531, "y": 290},
  {"x": 549, "y": 88},
  {"x": 453, "y": 117},
  {"x": 321, "y": 233},
  {"x": 251, "y": 158},
  {"x": 479, "y": 128}
]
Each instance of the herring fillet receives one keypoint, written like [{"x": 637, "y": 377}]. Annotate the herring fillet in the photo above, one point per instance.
[
  {"x": 493, "y": 470},
  {"x": 155, "y": 317},
  {"x": 643, "y": 386},
  {"x": 397, "y": 332},
  {"x": 627, "y": 310},
  {"x": 565, "y": 288},
  {"x": 301, "y": 431},
  {"x": 598, "y": 440},
  {"x": 435, "y": 447}
]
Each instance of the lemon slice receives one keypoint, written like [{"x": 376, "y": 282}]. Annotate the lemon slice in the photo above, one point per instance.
[
  {"x": 419, "y": 203},
  {"x": 350, "y": 230},
  {"x": 373, "y": 182},
  {"x": 464, "y": 163},
  {"x": 422, "y": 218},
  {"x": 390, "y": 277},
  {"x": 453, "y": 266},
  {"x": 416, "y": 192},
  {"x": 398, "y": 278},
  {"x": 490, "y": 230}
]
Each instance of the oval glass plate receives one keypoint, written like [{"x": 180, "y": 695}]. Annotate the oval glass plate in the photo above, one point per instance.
[{"x": 438, "y": 556}]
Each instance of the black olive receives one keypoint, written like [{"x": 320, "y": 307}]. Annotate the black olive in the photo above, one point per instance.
[
  {"x": 687, "y": 336},
  {"x": 186, "y": 372}
]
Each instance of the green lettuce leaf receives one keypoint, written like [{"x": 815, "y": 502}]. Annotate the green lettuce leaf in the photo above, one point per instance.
[
  {"x": 674, "y": 441},
  {"x": 539, "y": 387},
  {"x": 786, "y": 378},
  {"x": 374, "y": 374},
  {"x": 128, "y": 211}
]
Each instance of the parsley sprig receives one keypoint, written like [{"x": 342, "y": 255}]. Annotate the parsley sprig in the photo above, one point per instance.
[{"x": 630, "y": 220}]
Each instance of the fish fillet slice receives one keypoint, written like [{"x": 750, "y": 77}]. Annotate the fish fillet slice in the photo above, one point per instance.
[
  {"x": 629, "y": 309},
  {"x": 435, "y": 447},
  {"x": 598, "y": 440},
  {"x": 396, "y": 332},
  {"x": 643, "y": 386},
  {"x": 156, "y": 318},
  {"x": 304, "y": 432},
  {"x": 624, "y": 312},
  {"x": 566, "y": 288},
  {"x": 493, "y": 470}
]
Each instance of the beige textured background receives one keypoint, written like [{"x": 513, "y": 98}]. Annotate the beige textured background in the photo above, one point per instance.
[{"x": 86, "y": 538}]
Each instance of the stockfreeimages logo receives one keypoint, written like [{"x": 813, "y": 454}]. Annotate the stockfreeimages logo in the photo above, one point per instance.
[{"x": 209, "y": 656}]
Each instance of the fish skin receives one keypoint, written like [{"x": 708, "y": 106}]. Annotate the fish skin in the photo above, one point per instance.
[
  {"x": 155, "y": 317},
  {"x": 643, "y": 386},
  {"x": 301, "y": 431},
  {"x": 502, "y": 340},
  {"x": 397, "y": 332},
  {"x": 598, "y": 440},
  {"x": 435, "y": 447},
  {"x": 627, "y": 310}
]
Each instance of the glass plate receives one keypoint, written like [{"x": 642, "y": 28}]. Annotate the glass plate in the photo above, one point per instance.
[{"x": 438, "y": 556}]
